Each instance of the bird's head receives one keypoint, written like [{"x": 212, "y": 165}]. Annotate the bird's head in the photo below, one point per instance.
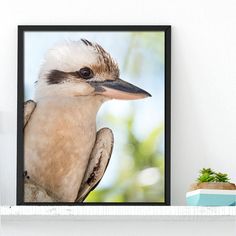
[{"x": 82, "y": 68}]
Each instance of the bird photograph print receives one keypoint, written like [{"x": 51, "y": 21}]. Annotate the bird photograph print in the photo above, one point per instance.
[{"x": 93, "y": 116}]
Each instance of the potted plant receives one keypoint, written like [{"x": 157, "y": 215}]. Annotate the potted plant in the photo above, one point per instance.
[
  {"x": 209, "y": 179},
  {"x": 212, "y": 189}
]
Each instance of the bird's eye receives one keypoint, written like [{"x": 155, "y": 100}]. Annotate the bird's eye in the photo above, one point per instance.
[{"x": 85, "y": 73}]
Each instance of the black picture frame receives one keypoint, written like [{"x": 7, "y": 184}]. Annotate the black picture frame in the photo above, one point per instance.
[{"x": 20, "y": 105}]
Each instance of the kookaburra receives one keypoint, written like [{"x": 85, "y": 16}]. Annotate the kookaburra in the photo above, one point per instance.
[{"x": 64, "y": 156}]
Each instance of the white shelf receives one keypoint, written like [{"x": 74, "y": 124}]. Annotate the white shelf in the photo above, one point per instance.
[{"x": 114, "y": 212}]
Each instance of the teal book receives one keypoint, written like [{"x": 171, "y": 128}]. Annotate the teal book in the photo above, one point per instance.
[{"x": 211, "y": 197}]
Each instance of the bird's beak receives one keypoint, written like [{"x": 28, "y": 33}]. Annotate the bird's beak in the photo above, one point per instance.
[{"x": 119, "y": 89}]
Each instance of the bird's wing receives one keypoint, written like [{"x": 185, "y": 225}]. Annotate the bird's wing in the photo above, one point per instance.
[
  {"x": 98, "y": 162},
  {"x": 32, "y": 191},
  {"x": 29, "y": 107}
]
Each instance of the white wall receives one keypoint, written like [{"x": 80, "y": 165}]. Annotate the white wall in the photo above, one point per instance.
[{"x": 203, "y": 77}]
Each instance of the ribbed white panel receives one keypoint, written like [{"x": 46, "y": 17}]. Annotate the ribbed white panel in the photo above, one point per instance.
[{"x": 116, "y": 211}]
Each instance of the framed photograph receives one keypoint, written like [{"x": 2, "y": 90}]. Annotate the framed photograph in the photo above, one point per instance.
[{"x": 94, "y": 115}]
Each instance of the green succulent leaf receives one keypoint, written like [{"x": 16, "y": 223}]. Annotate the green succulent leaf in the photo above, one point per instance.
[
  {"x": 207, "y": 171},
  {"x": 206, "y": 178},
  {"x": 220, "y": 177},
  {"x": 208, "y": 175}
]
